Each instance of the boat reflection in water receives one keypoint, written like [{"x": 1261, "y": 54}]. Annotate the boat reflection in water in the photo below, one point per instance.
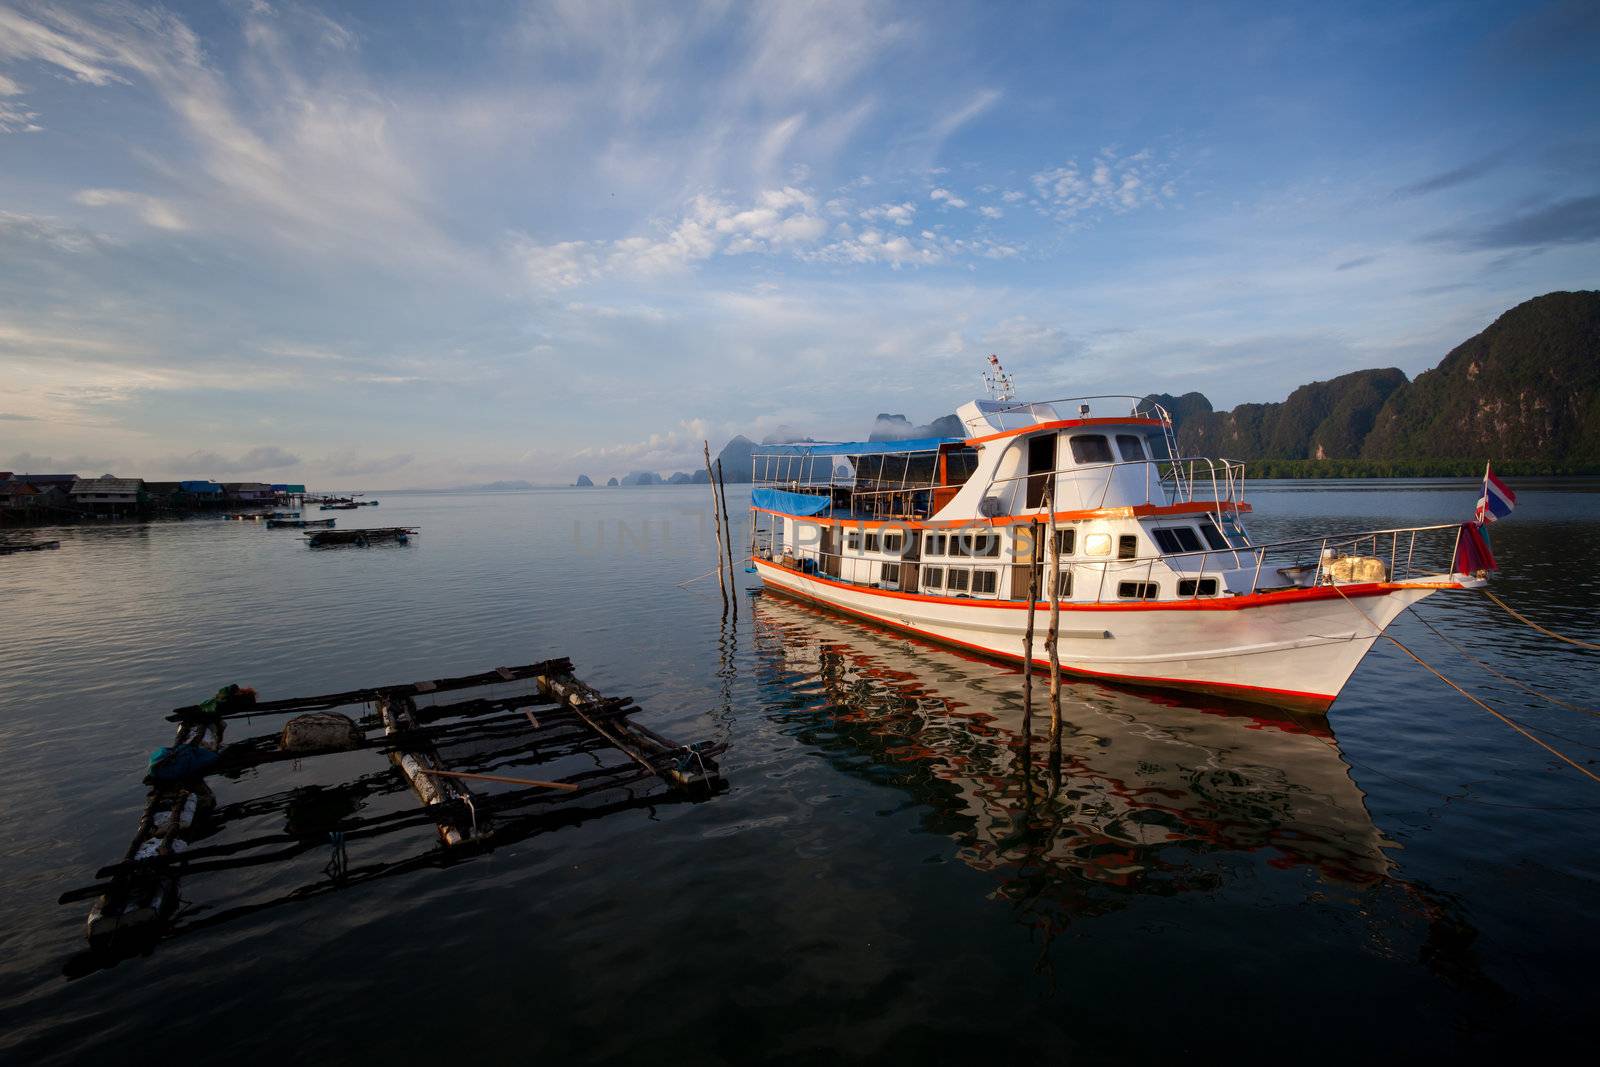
[{"x": 1146, "y": 795}]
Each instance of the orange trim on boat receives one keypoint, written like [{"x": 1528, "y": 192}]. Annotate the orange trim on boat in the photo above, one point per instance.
[
  {"x": 1064, "y": 424},
  {"x": 1225, "y": 603},
  {"x": 1320, "y": 701},
  {"x": 1134, "y": 511}
]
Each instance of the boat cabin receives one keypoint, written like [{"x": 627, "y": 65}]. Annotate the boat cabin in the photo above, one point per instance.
[{"x": 969, "y": 517}]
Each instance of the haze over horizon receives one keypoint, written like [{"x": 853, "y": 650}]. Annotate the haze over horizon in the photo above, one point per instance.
[{"x": 420, "y": 245}]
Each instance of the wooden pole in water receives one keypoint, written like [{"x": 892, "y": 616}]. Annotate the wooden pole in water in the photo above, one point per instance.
[
  {"x": 716, "y": 518},
  {"x": 1055, "y": 622},
  {"x": 727, "y": 536},
  {"x": 1034, "y": 563}
]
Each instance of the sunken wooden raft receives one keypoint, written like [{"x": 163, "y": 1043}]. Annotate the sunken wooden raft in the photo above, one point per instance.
[{"x": 143, "y": 890}]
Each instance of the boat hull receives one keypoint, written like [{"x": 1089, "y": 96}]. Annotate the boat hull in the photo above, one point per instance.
[{"x": 1291, "y": 649}]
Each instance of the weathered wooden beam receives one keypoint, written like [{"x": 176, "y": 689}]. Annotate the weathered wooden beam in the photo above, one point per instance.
[
  {"x": 680, "y": 766},
  {"x": 398, "y": 717},
  {"x": 367, "y": 695}
]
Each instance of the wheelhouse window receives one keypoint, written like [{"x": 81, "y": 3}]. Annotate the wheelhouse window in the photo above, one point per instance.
[
  {"x": 1066, "y": 542},
  {"x": 1130, "y": 447},
  {"x": 1127, "y": 547},
  {"x": 1091, "y": 448},
  {"x": 1097, "y": 544},
  {"x": 893, "y": 543},
  {"x": 933, "y": 545},
  {"x": 984, "y": 582},
  {"x": 1197, "y": 587},
  {"x": 1137, "y": 590},
  {"x": 872, "y": 542},
  {"x": 1213, "y": 536},
  {"x": 852, "y": 540},
  {"x": 1178, "y": 539},
  {"x": 933, "y": 578}
]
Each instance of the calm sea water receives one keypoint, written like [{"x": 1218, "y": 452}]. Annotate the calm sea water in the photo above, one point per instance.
[{"x": 881, "y": 882}]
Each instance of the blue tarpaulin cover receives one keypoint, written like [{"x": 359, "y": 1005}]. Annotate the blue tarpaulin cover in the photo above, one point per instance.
[
  {"x": 856, "y": 448},
  {"x": 788, "y": 503}
]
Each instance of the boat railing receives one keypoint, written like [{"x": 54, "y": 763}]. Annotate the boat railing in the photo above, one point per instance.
[
  {"x": 1182, "y": 480},
  {"x": 1137, "y": 407},
  {"x": 1390, "y": 555}
]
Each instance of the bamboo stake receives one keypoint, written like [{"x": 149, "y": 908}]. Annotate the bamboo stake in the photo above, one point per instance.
[
  {"x": 727, "y": 536},
  {"x": 567, "y": 786},
  {"x": 1055, "y": 623},
  {"x": 716, "y": 519},
  {"x": 1034, "y": 563}
]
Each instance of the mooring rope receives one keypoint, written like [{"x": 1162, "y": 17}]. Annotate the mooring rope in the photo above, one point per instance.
[
  {"x": 707, "y": 574},
  {"x": 1575, "y": 765},
  {"x": 1500, "y": 674},
  {"x": 1515, "y": 614}
]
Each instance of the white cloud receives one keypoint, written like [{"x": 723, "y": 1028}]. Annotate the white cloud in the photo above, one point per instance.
[
  {"x": 775, "y": 220},
  {"x": 989, "y": 212},
  {"x": 1012, "y": 196},
  {"x": 950, "y": 199},
  {"x": 1112, "y": 183},
  {"x": 152, "y": 210},
  {"x": 902, "y": 214}
]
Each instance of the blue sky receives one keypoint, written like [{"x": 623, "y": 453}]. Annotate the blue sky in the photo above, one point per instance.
[{"x": 383, "y": 245}]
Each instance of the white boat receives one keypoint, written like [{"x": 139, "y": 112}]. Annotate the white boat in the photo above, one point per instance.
[{"x": 1157, "y": 580}]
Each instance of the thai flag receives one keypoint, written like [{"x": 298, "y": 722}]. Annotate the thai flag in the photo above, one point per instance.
[{"x": 1497, "y": 499}]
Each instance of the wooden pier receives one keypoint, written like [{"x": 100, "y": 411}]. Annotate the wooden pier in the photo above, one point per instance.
[{"x": 536, "y": 747}]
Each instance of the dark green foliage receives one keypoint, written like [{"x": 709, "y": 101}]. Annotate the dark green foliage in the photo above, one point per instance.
[
  {"x": 1528, "y": 387},
  {"x": 1524, "y": 393}
]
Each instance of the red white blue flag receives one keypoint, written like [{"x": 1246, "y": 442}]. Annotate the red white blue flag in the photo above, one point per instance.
[{"x": 1497, "y": 499}]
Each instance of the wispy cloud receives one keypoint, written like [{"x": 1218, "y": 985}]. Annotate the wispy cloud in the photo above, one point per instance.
[
  {"x": 1455, "y": 176},
  {"x": 1572, "y": 221},
  {"x": 205, "y": 463},
  {"x": 151, "y": 209}
]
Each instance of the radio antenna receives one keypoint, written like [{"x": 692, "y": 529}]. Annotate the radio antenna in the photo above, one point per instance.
[{"x": 999, "y": 382}]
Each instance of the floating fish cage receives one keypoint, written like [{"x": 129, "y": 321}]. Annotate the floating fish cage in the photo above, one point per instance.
[{"x": 491, "y": 758}]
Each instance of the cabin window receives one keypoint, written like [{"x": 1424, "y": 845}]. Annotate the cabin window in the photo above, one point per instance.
[
  {"x": 1098, "y": 544},
  {"x": 984, "y": 582},
  {"x": 1066, "y": 542},
  {"x": 1064, "y": 582},
  {"x": 1177, "y": 539},
  {"x": 1091, "y": 448},
  {"x": 1129, "y": 445},
  {"x": 933, "y": 578},
  {"x": 1127, "y": 547},
  {"x": 872, "y": 542},
  {"x": 933, "y": 545},
  {"x": 892, "y": 543},
  {"x": 852, "y": 540},
  {"x": 1213, "y": 535},
  {"x": 1137, "y": 590},
  {"x": 975, "y": 544},
  {"x": 889, "y": 575},
  {"x": 1197, "y": 587},
  {"x": 956, "y": 580}
]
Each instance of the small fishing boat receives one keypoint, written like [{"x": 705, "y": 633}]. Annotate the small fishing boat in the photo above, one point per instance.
[
  {"x": 298, "y": 524},
  {"x": 27, "y": 546},
  {"x": 340, "y": 507},
  {"x": 1085, "y": 507},
  {"x": 360, "y": 538}
]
